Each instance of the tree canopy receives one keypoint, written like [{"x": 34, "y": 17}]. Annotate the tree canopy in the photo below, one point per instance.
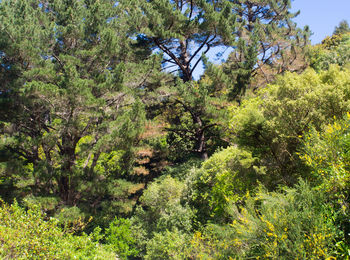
[{"x": 112, "y": 146}]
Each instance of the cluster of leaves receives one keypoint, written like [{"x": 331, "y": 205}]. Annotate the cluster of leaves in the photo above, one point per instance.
[
  {"x": 288, "y": 224},
  {"x": 333, "y": 50},
  {"x": 30, "y": 235},
  {"x": 270, "y": 124},
  {"x": 72, "y": 110},
  {"x": 225, "y": 178}
]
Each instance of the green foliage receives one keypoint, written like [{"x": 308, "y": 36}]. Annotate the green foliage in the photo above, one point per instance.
[
  {"x": 76, "y": 107},
  {"x": 119, "y": 236},
  {"x": 333, "y": 50},
  {"x": 264, "y": 26},
  {"x": 181, "y": 29},
  {"x": 327, "y": 153},
  {"x": 271, "y": 124},
  {"x": 167, "y": 245},
  {"x": 223, "y": 179},
  {"x": 342, "y": 28},
  {"x": 161, "y": 214},
  {"x": 294, "y": 223},
  {"x": 162, "y": 208},
  {"x": 196, "y": 115},
  {"x": 79, "y": 79},
  {"x": 182, "y": 170},
  {"x": 26, "y": 235}
]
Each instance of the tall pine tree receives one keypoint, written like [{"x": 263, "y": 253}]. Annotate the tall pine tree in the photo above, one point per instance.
[
  {"x": 71, "y": 87},
  {"x": 261, "y": 34},
  {"x": 269, "y": 43}
]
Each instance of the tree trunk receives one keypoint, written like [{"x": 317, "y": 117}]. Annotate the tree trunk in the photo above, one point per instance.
[
  {"x": 185, "y": 62},
  {"x": 201, "y": 147},
  {"x": 64, "y": 189},
  {"x": 65, "y": 184}
]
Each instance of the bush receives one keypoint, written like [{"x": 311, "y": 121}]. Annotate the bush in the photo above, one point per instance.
[
  {"x": 119, "y": 236},
  {"x": 327, "y": 152},
  {"x": 26, "y": 235},
  {"x": 333, "y": 50},
  {"x": 161, "y": 211},
  {"x": 290, "y": 224},
  {"x": 271, "y": 124},
  {"x": 226, "y": 177},
  {"x": 161, "y": 207},
  {"x": 167, "y": 245}
]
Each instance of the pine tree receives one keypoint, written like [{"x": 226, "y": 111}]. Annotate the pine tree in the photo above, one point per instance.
[
  {"x": 260, "y": 33},
  {"x": 269, "y": 43},
  {"x": 183, "y": 31},
  {"x": 342, "y": 28},
  {"x": 72, "y": 82}
]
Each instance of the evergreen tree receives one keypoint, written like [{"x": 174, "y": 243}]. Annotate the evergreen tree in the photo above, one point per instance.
[
  {"x": 184, "y": 31},
  {"x": 269, "y": 43},
  {"x": 72, "y": 85},
  {"x": 342, "y": 28},
  {"x": 261, "y": 33}
]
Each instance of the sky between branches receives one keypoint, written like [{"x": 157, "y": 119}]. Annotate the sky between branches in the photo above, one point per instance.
[{"x": 322, "y": 16}]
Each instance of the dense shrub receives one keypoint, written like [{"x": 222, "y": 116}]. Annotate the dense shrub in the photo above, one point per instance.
[
  {"x": 327, "y": 153},
  {"x": 27, "y": 235},
  {"x": 161, "y": 211},
  {"x": 295, "y": 223},
  {"x": 333, "y": 50},
  {"x": 271, "y": 124},
  {"x": 167, "y": 245},
  {"x": 226, "y": 177},
  {"x": 119, "y": 236}
]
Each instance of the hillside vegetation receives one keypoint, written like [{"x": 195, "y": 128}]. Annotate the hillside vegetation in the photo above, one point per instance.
[{"x": 113, "y": 147}]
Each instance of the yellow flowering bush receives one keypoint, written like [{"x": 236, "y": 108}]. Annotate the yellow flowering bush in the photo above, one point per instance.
[
  {"x": 294, "y": 223},
  {"x": 327, "y": 153},
  {"x": 270, "y": 124}
]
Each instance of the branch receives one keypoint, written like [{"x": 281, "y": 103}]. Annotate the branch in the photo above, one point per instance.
[
  {"x": 208, "y": 126},
  {"x": 186, "y": 108},
  {"x": 168, "y": 67},
  {"x": 205, "y": 52},
  {"x": 199, "y": 48},
  {"x": 59, "y": 61},
  {"x": 173, "y": 71},
  {"x": 168, "y": 60},
  {"x": 195, "y": 65},
  {"x": 191, "y": 10},
  {"x": 167, "y": 51},
  {"x": 29, "y": 158}
]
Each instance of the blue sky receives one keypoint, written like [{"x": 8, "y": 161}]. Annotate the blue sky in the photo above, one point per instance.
[{"x": 321, "y": 15}]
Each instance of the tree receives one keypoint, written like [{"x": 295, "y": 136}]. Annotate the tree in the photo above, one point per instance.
[
  {"x": 73, "y": 81},
  {"x": 184, "y": 31},
  {"x": 342, "y": 28},
  {"x": 269, "y": 43}
]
